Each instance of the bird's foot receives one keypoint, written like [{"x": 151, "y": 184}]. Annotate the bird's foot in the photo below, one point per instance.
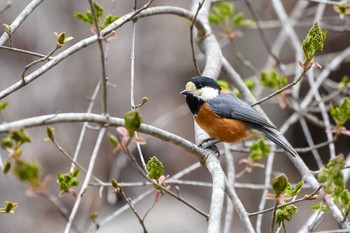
[
  {"x": 209, "y": 144},
  {"x": 209, "y": 141}
]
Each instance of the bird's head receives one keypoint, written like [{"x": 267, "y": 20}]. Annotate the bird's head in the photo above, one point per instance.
[{"x": 202, "y": 88}]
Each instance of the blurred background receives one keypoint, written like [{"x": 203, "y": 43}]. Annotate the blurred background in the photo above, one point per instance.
[{"x": 163, "y": 64}]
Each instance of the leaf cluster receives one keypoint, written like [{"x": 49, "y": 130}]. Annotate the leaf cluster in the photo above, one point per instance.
[
  {"x": 332, "y": 175},
  {"x": 259, "y": 150},
  {"x": 68, "y": 180},
  {"x": 223, "y": 15},
  {"x": 313, "y": 42},
  {"x": 87, "y": 17},
  {"x": 155, "y": 168},
  {"x": 14, "y": 141},
  {"x": 27, "y": 172},
  {"x": 283, "y": 192},
  {"x": 285, "y": 213},
  {"x": 273, "y": 79},
  {"x": 340, "y": 114}
]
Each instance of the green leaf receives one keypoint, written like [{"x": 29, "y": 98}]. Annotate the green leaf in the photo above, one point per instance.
[
  {"x": 154, "y": 168},
  {"x": 236, "y": 20},
  {"x": 9, "y": 207},
  {"x": 285, "y": 213},
  {"x": 320, "y": 206},
  {"x": 94, "y": 216},
  {"x": 76, "y": 173},
  {"x": 226, "y": 9},
  {"x": 108, "y": 20},
  {"x": 7, "y": 167},
  {"x": 19, "y": 136},
  {"x": 50, "y": 131},
  {"x": 115, "y": 184},
  {"x": 27, "y": 172},
  {"x": 279, "y": 184},
  {"x": 332, "y": 175},
  {"x": 314, "y": 41},
  {"x": 68, "y": 180},
  {"x": 246, "y": 22},
  {"x": 84, "y": 17},
  {"x": 250, "y": 83},
  {"x": 6, "y": 142},
  {"x": 294, "y": 192},
  {"x": 223, "y": 84},
  {"x": 87, "y": 17},
  {"x": 133, "y": 122},
  {"x": 258, "y": 150},
  {"x": 345, "y": 197},
  {"x": 220, "y": 12},
  {"x": 345, "y": 82},
  {"x": 214, "y": 19},
  {"x": 98, "y": 10},
  {"x": 297, "y": 188},
  {"x": 3, "y": 105},
  {"x": 273, "y": 79},
  {"x": 341, "y": 114},
  {"x": 113, "y": 139}
]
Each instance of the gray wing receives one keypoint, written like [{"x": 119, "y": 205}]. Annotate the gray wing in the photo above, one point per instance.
[{"x": 229, "y": 106}]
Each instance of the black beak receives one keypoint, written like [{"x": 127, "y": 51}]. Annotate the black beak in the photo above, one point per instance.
[{"x": 184, "y": 92}]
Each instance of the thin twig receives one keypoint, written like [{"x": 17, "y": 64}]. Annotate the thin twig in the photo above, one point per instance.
[
  {"x": 267, "y": 182},
  {"x": 7, "y": 6},
  {"x": 200, "y": 4},
  {"x": 86, "y": 180},
  {"x": 324, "y": 113},
  {"x": 59, "y": 207},
  {"x": 131, "y": 206},
  {"x": 74, "y": 162},
  {"x": 273, "y": 216},
  {"x": 132, "y": 64},
  {"x": 280, "y": 90},
  {"x": 142, "y": 173},
  {"x": 24, "y": 52},
  {"x": 46, "y": 58},
  {"x": 262, "y": 34},
  {"x": 85, "y": 125},
  {"x": 104, "y": 78},
  {"x": 134, "y": 201},
  {"x": 132, "y": 82},
  {"x": 310, "y": 142},
  {"x": 242, "y": 60},
  {"x": 311, "y": 196}
]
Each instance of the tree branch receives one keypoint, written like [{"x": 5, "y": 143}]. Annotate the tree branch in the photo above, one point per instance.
[{"x": 20, "y": 18}]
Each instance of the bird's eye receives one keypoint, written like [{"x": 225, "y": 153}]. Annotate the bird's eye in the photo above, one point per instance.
[{"x": 199, "y": 86}]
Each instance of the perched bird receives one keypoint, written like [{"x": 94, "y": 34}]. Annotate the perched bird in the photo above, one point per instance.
[{"x": 225, "y": 117}]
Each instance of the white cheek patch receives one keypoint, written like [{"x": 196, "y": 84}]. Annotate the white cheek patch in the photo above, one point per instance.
[{"x": 206, "y": 93}]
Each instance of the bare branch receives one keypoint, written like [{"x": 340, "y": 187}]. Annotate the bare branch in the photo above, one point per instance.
[
  {"x": 86, "y": 180},
  {"x": 20, "y": 18}
]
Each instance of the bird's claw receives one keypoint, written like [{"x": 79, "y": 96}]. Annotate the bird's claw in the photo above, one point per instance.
[{"x": 209, "y": 144}]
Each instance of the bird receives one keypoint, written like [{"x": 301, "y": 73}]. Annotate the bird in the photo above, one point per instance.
[{"x": 225, "y": 117}]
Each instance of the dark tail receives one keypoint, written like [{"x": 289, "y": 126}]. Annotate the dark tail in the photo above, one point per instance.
[{"x": 278, "y": 141}]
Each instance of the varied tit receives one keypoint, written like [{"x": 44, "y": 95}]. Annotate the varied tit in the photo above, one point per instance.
[{"x": 225, "y": 117}]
